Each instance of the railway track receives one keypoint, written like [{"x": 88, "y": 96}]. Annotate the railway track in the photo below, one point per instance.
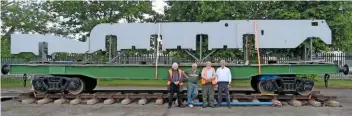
[{"x": 159, "y": 97}]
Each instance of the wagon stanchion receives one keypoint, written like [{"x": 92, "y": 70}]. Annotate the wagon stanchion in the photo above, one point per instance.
[
  {"x": 326, "y": 78},
  {"x": 24, "y": 80}
]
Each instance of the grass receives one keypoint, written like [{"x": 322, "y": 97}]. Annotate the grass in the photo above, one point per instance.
[
  {"x": 15, "y": 82},
  {"x": 12, "y": 82},
  {"x": 347, "y": 84}
]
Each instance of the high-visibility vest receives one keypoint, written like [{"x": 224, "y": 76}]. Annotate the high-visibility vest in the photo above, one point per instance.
[
  {"x": 179, "y": 76},
  {"x": 204, "y": 76}
]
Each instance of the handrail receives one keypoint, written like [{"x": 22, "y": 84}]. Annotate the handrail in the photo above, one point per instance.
[
  {"x": 157, "y": 53},
  {"x": 257, "y": 46}
]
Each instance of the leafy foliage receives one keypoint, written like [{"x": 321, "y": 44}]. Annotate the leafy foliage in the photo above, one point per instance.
[
  {"x": 335, "y": 13},
  {"x": 82, "y": 16},
  {"x": 77, "y": 18},
  {"x": 23, "y": 17}
]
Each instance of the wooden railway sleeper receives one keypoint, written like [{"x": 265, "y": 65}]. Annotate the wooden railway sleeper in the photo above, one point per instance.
[
  {"x": 144, "y": 100},
  {"x": 62, "y": 100},
  {"x": 126, "y": 100},
  {"x": 76, "y": 101},
  {"x": 110, "y": 100},
  {"x": 45, "y": 100},
  {"x": 93, "y": 100},
  {"x": 255, "y": 99},
  {"x": 160, "y": 99}
]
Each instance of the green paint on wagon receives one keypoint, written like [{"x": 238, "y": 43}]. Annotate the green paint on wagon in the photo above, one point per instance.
[{"x": 148, "y": 71}]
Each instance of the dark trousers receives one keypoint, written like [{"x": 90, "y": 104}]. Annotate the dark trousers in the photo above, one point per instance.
[
  {"x": 172, "y": 90},
  {"x": 223, "y": 86}
]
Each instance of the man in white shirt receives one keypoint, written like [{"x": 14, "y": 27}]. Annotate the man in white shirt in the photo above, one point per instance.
[{"x": 223, "y": 77}]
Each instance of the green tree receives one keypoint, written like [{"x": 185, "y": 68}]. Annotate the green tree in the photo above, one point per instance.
[
  {"x": 336, "y": 18},
  {"x": 23, "y": 17},
  {"x": 82, "y": 16}
]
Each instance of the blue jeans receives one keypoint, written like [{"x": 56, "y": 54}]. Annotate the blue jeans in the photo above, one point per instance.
[{"x": 192, "y": 92}]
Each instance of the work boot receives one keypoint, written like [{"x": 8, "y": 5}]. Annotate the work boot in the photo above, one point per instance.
[
  {"x": 218, "y": 105},
  {"x": 204, "y": 105},
  {"x": 181, "y": 106}
]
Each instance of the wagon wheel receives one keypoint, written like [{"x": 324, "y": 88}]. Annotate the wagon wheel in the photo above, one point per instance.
[
  {"x": 76, "y": 86},
  {"x": 266, "y": 87},
  {"x": 306, "y": 88},
  {"x": 91, "y": 83},
  {"x": 39, "y": 87},
  {"x": 254, "y": 83}
]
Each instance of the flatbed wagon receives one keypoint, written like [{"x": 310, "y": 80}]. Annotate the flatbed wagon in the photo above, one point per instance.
[{"x": 268, "y": 78}]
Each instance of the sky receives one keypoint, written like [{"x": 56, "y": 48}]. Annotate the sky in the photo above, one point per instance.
[{"x": 159, "y": 4}]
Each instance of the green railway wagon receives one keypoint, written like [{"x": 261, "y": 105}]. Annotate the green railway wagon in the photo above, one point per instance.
[
  {"x": 148, "y": 71},
  {"x": 226, "y": 34},
  {"x": 77, "y": 78}
]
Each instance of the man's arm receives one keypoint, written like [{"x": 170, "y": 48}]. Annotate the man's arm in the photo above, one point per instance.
[
  {"x": 204, "y": 76},
  {"x": 182, "y": 76},
  {"x": 202, "y": 73},
  {"x": 169, "y": 78},
  {"x": 214, "y": 75},
  {"x": 230, "y": 76},
  {"x": 185, "y": 73},
  {"x": 217, "y": 74}
]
